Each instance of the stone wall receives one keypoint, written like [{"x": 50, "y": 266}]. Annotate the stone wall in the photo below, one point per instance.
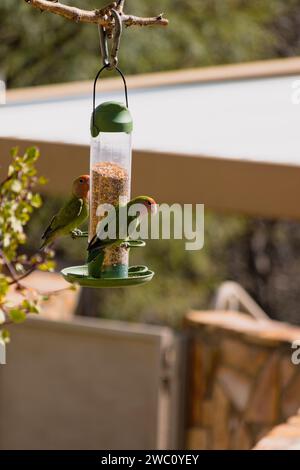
[{"x": 241, "y": 379}]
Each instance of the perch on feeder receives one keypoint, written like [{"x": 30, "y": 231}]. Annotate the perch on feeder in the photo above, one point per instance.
[{"x": 110, "y": 179}]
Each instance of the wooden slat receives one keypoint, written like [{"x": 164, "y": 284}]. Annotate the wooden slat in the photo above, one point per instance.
[
  {"x": 258, "y": 189},
  {"x": 260, "y": 69}
]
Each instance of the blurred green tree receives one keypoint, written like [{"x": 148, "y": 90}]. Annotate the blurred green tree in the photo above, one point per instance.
[{"x": 39, "y": 48}]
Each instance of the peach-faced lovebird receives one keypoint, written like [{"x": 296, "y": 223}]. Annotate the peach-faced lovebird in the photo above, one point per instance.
[
  {"x": 99, "y": 242},
  {"x": 72, "y": 214}
]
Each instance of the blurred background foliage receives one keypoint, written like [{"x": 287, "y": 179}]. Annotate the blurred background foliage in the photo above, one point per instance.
[
  {"x": 184, "y": 279},
  {"x": 38, "y": 48},
  {"x": 263, "y": 255}
]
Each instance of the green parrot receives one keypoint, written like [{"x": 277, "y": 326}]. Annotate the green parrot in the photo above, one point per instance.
[
  {"x": 72, "y": 214},
  {"x": 98, "y": 243}
]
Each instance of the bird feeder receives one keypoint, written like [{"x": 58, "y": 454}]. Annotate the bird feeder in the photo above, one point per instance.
[{"x": 110, "y": 179}]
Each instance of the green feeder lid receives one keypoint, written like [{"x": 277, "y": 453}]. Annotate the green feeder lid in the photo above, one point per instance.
[{"x": 111, "y": 117}]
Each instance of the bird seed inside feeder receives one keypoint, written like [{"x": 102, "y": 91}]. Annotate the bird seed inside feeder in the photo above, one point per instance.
[{"x": 109, "y": 182}]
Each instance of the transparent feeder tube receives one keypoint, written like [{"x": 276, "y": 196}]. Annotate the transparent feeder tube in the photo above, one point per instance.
[{"x": 110, "y": 172}]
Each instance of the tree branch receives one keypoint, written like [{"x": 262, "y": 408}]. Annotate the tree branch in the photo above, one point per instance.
[
  {"x": 10, "y": 268},
  {"x": 102, "y": 17},
  {"x": 24, "y": 275},
  {"x": 33, "y": 266},
  {"x": 131, "y": 20},
  {"x": 8, "y": 178}
]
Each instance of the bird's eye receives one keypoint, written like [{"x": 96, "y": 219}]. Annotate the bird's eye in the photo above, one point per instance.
[{"x": 81, "y": 180}]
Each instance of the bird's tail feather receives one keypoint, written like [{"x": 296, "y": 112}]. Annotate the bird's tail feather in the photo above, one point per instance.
[
  {"x": 95, "y": 262},
  {"x": 92, "y": 254},
  {"x": 43, "y": 245}
]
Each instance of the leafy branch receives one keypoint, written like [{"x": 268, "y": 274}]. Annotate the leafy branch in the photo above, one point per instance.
[{"x": 18, "y": 200}]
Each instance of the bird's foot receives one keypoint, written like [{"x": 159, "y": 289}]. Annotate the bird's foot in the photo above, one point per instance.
[{"x": 76, "y": 233}]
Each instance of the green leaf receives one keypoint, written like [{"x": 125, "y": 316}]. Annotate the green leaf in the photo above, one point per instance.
[
  {"x": 31, "y": 155},
  {"x": 16, "y": 224},
  {"x": 5, "y": 336},
  {"x": 36, "y": 201},
  {"x": 11, "y": 170},
  {"x": 17, "y": 315},
  {"x": 6, "y": 240},
  {"x": 16, "y": 186},
  {"x": 35, "y": 308},
  {"x": 47, "y": 266},
  {"x": 2, "y": 316},
  {"x": 42, "y": 180},
  {"x": 31, "y": 307},
  {"x": 14, "y": 152},
  {"x": 3, "y": 286}
]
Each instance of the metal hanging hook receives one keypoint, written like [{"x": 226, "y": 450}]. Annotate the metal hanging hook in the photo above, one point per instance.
[
  {"x": 110, "y": 59},
  {"x": 95, "y": 85},
  {"x": 103, "y": 45}
]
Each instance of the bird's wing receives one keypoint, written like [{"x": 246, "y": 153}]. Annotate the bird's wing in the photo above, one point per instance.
[
  {"x": 100, "y": 240},
  {"x": 67, "y": 214},
  {"x": 49, "y": 228}
]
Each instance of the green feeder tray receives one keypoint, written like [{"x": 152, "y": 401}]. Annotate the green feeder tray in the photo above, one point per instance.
[{"x": 137, "y": 275}]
